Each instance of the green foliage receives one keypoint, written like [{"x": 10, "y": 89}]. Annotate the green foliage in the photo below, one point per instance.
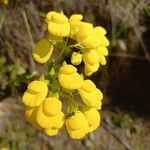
[
  {"x": 13, "y": 74},
  {"x": 17, "y": 136},
  {"x": 123, "y": 122}
]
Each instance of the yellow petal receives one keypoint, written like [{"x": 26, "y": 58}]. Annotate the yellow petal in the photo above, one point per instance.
[
  {"x": 88, "y": 86},
  {"x": 90, "y": 69},
  {"x": 51, "y": 132},
  {"x": 52, "y": 106},
  {"x": 76, "y": 17},
  {"x": 58, "y": 30},
  {"x": 76, "y": 58},
  {"x": 49, "y": 121},
  {"x": 30, "y": 114},
  {"x": 100, "y": 30},
  {"x": 72, "y": 81},
  {"x": 103, "y": 51},
  {"x": 93, "y": 118},
  {"x": 42, "y": 51},
  {"x": 67, "y": 69},
  {"x": 59, "y": 18},
  {"x": 91, "y": 57},
  {"x": 91, "y": 99},
  {"x": 76, "y": 121}
]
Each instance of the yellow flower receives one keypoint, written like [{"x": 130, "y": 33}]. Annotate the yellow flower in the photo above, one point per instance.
[
  {"x": 52, "y": 106},
  {"x": 49, "y": 121},
  {"x": 91, "y": 57},
  {"x": 35, "y": 93},
  {"x": 58, "y": 24},
  {"x": 69, "y": 78},
  {"x": 76, "y": 58},
  {"x": 76, "y": 17},
  {"x": 42, "y": 51},
  {"x": 30, "y": 114},
  {"x": 93, "y": 118},
  {"x": 92, "y": 37},
  {"x": 76, "y": 25},
  {"x": 90, "y": 95},
  {"x": 51, "y": 131},
  {"x": 90, "y": 69},
  {"x": 77, "y": 125},
  {"x": 103, "y": 51}
]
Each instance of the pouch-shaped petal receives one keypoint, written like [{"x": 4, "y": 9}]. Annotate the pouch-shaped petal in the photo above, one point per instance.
[
  {"x": 76, "y": 121},
  {"x": 91, "y": 57},
  {"x": 100, "y": 30},
  {"x": 76, "y": 58},
  {"x": 90, "y": 69},
  {"x": 58, "y": 24},
  {"x": 103, "y": 50},
  {"x": 78, "y": 134},
  {"x": 76, "y": 17},
  {"x": 59, "y": 30},
  {"x": 69, "y": 78},
  {"x": 91, "y": 97},
  {"x": 42, "y": 51},
  {"x": 30, "y": 114},
  {"x": 49, "y": 121},
  {"x": 51, "y": 131},
  {"x": 77, "y": 125},
  {"x": 35, "y": 94},
  {"x": 93, "y": 118},
  {"x": 52, "y": 106}
]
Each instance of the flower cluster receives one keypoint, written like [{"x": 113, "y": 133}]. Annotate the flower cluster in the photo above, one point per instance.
[
  {"x": 41, "y": 111},
  {"x": 43, "y": 108}
]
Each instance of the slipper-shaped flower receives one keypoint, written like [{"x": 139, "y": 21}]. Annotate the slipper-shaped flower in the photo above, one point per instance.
[
  {"x": 42, "y": 51},
  {"x": 58, "y": 24},
  {"x": 35, "y": 94},
  {"x": 93, "y": 118},
  {"x": 76, "y": 58},
  {"x": 77, "y": 125},
  {"x": 30, "y": 114},
  {"x": 90, "y": 95},
  {"x": 69, "y": 78},
  {"x": 49, "y": 121}
]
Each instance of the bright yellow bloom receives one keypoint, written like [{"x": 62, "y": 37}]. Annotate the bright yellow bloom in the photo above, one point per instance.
[
  {"x": 91, "y": 61},
  {"x": 42, "y": 51},
  {"x": 51, "y": 131},
  {"x": 103, "y": 50},
  {"x": 69, "y": 78},
  {"x": 48, "y": 121},
  {"x": 93, "y": 118},
  {"x": 30, "y": 114},
  {"x": 58, "y": 24},
  {"x": 90, "y": 69},
  {"x": 35, "y": 93},
  {"x": 77, "y": 125},
  {"x": 76, "y": 58},
  {"x": 91, "y": 57},
  {"x": 77, "y": 25},
  {"x": 92, "y": 38},
  {"x": 76, "y": 17},
  {"x": 90, "y": 95},
  {"x": 52, "y": 106}
]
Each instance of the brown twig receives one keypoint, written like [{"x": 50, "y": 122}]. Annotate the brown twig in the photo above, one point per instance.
[
  {"x": 127, "y": 56},
  {"x": 32, "y": 64},
  {"x": 113, "y": 133}
]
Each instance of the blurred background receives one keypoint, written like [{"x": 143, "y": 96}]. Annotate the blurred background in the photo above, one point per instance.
[{"x": 125, "y": 80}]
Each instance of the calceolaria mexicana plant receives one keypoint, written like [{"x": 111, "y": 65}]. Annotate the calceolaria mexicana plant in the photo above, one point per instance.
[{"x": 63, "y": 96}]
